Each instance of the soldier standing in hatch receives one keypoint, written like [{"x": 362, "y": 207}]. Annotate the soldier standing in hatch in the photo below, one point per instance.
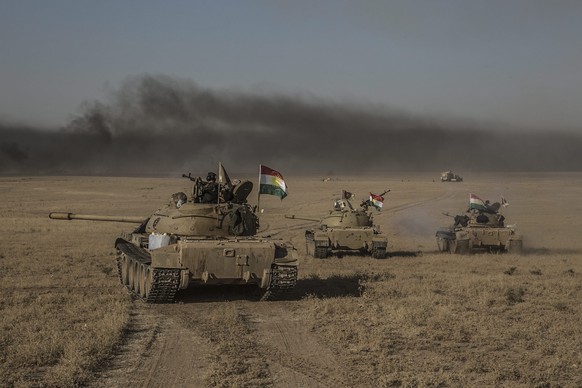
[{"x": 210, "y": 189}]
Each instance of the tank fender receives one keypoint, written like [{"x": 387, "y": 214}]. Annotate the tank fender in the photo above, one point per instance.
[
  {"x": 120, "y": 240},
  {"x": 446, "y": 234}
]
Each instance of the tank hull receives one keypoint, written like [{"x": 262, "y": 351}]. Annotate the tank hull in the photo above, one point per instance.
[
  {"x": 474, "y": 239},
  {"x": 321, "y": 243},
  {"x": 156, "y": 275}
]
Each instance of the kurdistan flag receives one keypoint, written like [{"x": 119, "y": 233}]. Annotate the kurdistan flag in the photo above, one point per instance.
[
  {"x": 271, "y": 182},
  {"x": 476, "y": 203},
  {"x": 377, "y": 201}
]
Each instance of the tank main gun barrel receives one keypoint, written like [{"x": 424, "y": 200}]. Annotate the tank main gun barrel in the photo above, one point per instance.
[
  {"x": 294, "y": 217},
  {"x": 91, "y": 217}
]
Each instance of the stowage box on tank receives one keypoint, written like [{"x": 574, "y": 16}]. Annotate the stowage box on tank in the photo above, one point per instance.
[
  {"x": 345, "y": 229},
  {"x": 209, "y": 238},
  {"x": 479, "y": 230}
]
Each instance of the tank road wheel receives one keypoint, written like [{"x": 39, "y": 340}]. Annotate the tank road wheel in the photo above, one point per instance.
[
  {"x": 136, "y": 277},
  {"x": 515, "y": 247},
  {"x": 118, "y": 261},
  {"x": 142, "y": 280},
  {"x": 379, "y": 253},
  {"x": 132, "y": 278},
  {"x": 130, "y": 274},
  {"x": 147, "y": 284},
  {"x": 124, "y": 270}
]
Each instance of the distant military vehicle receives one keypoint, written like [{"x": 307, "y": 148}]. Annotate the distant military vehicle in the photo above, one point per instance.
[
  {"x": 207, "y": 239},
  {"x": 345, "y": 229},
  {"x": 479, "y": 230},
  {"x": 449, "y": 176}
]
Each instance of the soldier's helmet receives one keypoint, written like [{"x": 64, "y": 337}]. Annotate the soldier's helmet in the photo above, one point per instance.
[{"x": 211, "y": 177}]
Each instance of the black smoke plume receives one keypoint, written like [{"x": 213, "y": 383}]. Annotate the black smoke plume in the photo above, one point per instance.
[{"x": 162, "y": 125}]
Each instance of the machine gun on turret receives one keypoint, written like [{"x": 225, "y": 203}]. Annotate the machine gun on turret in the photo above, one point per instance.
[{"x": 197, "y": 187}]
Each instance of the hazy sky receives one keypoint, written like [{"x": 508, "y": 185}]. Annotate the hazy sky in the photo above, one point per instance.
[{"x": 518, "y": 62}]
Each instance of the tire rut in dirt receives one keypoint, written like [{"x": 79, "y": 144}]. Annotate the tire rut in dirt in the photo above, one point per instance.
[
  {"x": 237, "y": 359},
  {"x": 296, "y": 357},
  {"x": 157, "y": 351}
]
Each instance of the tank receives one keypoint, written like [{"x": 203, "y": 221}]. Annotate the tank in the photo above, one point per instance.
[
  {"x": 345, "y": 229},
  {"x": 479, "y": 230},
  {"x": 209, "y": 238},
  {"x": 449, "y": 176}
]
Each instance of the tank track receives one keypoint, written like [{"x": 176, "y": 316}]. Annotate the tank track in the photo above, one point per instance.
[
  {"x": 165, "y": 282},
  {"x": 283, "y": 279},
  {"x": 165, "y": 285}
]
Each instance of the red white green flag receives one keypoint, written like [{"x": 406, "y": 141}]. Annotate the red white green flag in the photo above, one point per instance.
[
  {"x": 271, "y": 182},
  {"x": 476, "y": 203},
  {"x": 377, "y": 201}
]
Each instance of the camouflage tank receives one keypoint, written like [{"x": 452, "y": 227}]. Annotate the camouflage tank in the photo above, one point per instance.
[
  {"x": 345, "y": 229},
  {"x": 207, "y": 239},
  {"x": 479, "y": 230},
  {"x": 449, "y": 176}
]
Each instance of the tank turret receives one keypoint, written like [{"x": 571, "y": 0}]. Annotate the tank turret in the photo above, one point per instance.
[{"x": 209, "y": 238}]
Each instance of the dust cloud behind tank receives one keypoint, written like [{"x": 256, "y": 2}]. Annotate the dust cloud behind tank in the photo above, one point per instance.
[
  {"x": 345, "y": 229},
  {"x": 207, "y": 238},
  {"x": 481, "y": 228}
]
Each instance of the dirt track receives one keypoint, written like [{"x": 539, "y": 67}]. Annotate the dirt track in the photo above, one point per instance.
[{"x": 173, "y": 347}]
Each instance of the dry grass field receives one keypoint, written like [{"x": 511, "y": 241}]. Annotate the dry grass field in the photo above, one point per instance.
[{"x": 418, "y": 318}]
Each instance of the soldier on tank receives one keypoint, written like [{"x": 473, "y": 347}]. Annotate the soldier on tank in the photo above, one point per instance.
[{"x": 210, "y": 189}]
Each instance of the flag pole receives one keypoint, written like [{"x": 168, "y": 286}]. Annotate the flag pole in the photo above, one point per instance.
[
  {"x": 259, "y": 196},
  {"x": 218, "y": 196},
  {"x": 219, "y": 181}
]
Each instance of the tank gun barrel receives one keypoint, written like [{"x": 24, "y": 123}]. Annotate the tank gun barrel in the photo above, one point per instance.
[
  {"x": 294, "y": 217},
  {"x": 91, "y": 217}
]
